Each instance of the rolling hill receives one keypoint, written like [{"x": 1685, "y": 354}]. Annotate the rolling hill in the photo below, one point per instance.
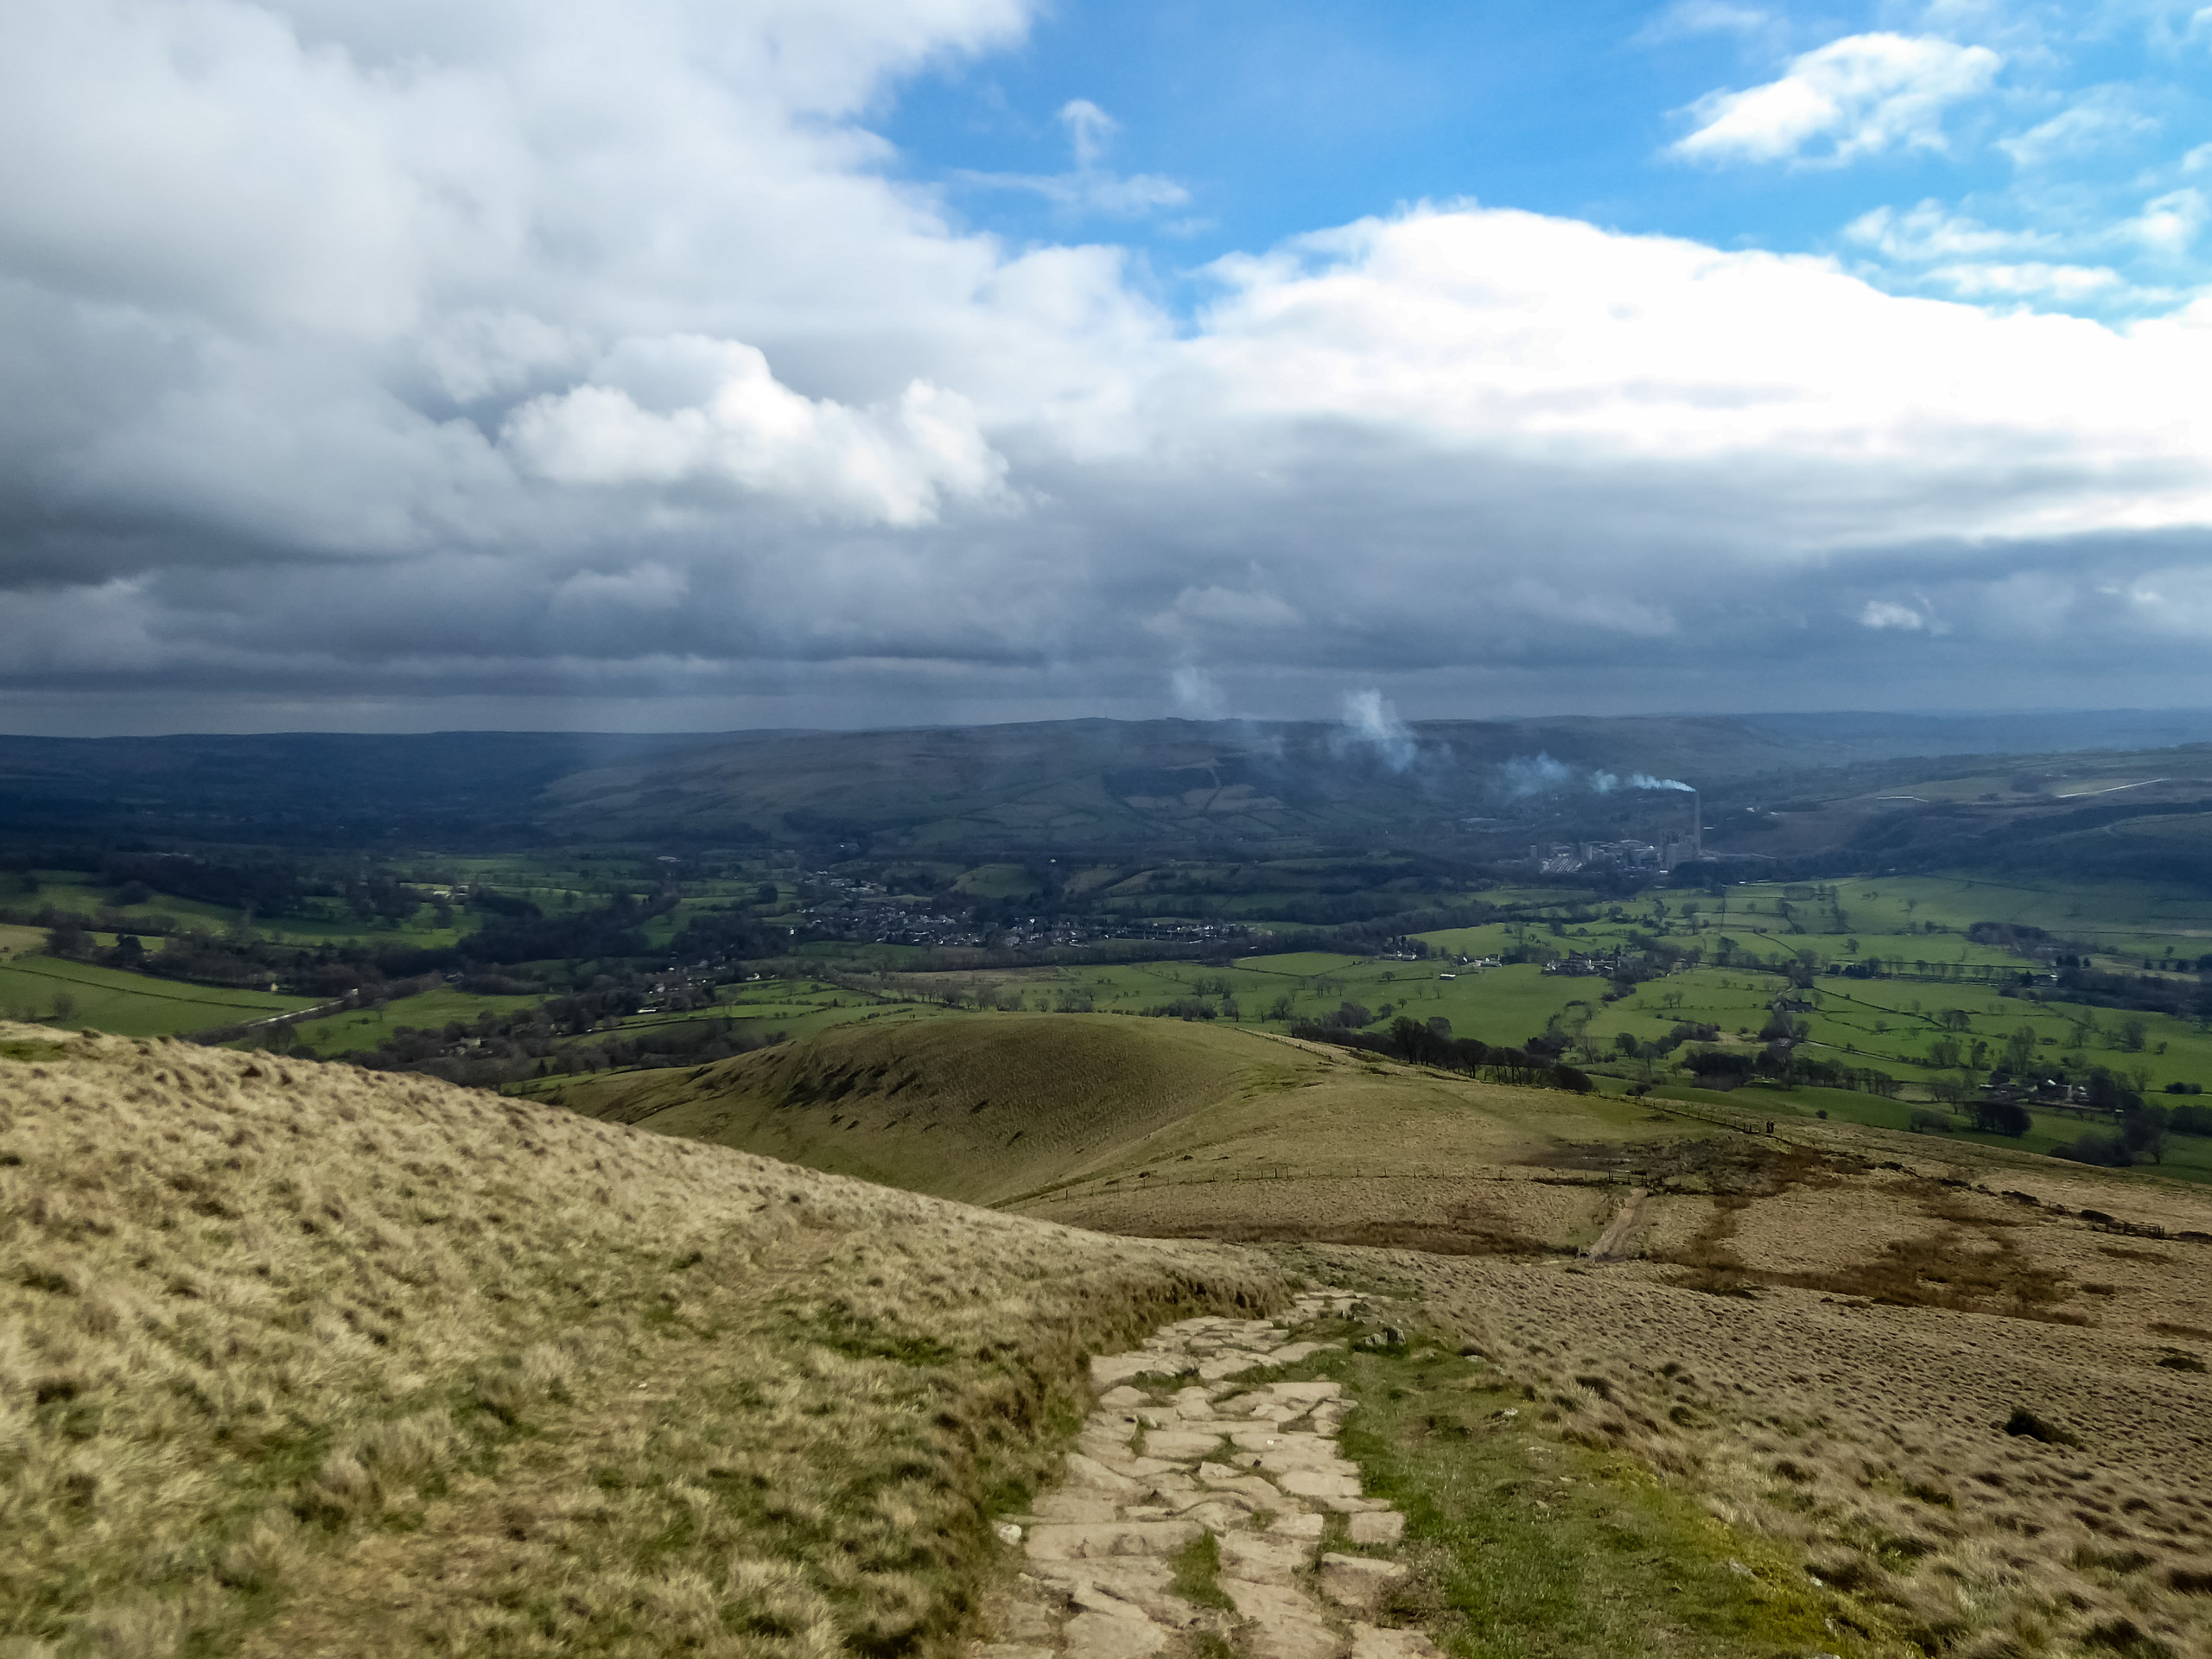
[
  {"x": 1163, "y": 1126},
  {"x": 1046, "y": 784}
]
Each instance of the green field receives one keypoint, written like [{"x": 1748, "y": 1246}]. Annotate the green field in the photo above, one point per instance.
[
  {"x": 361, "y": 1029},
  {"x": 41, "y": 988}
]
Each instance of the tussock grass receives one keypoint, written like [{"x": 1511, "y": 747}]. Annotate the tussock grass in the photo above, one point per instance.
[
  {"x": 300, "y": 1358},
  {"x": 1981, "y": 1485},
  {"x": 1526, "y": 1545}
]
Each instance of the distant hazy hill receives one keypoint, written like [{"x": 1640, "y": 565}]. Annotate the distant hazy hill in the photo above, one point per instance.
[
  {"x": 1067, "y": 783},
  {"x": 302, "y": 1359}
]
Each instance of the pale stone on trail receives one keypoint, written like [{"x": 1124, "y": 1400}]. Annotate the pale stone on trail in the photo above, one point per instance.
[
  {"x": 1108, "y": 1369},
  {"x": 1073, "y": 1507},
  {"x": 1231, "y": 1365},
  {"x": 1263, "y": 1558},
  {"x": 1089, "y": 1472},
  {"x": 1122, "y": 1397},
  {"x": 1010, "y": 1650},
  {"x": 1082, "y": 1541},
  {"x": 1101, "y": 1636},
  {"x": 1182, "y": 1445},
  {"x": 1216, "y": 1472},
  {"x": 1137, "y": 1469},
  {"x": 1313, "y": 1483},
  {"x": 1254, "y": 1437},
  {"x": 1259, "y": 1490},
  {"x": 1370, "y": 1642},
  {"x": 1284, "y": 1460},
  {"x": 1126, "y": 1586},
  {"x": 1307, "y": 1390},
  {"x": 1297, "y": 1526},
  {"x": 1217, "y": 1516},
  {"x": 1293, "y": 1450},
  {"x": 1285, "y": 1624},
  {"x": 1358, "y": 1584},
  {"x": 1376, "y": 1526}
]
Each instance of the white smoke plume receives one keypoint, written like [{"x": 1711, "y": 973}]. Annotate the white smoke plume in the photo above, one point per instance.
[
  {"x": 1196, "y": 694},
  {"x": 1526, "y": 774},
  {"x": 1645, "y": 780},
  {"x": 1369, "y": 721}
]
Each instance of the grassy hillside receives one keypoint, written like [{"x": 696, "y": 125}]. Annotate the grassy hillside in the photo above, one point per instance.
[
  {"x": 297, "y": 1358},
  {"x": 1217, "y": 1131},
  {"x": 981, "y": 1106}
]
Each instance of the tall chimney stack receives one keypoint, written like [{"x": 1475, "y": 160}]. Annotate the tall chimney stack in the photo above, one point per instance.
[{"x": 1697, "y": 824}]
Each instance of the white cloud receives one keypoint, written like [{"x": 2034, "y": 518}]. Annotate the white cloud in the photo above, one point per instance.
[
  {"x": 2168, "y": 224},
  {"x": 1090, "y": 130},
  {"x": 1689, "y": 17},
  {"x": 1887, "y": 614},
  {"x": 2100, "y": 119},
  {"x": 1214, "y": 607},
  {"x": 1090, "y": 186},
  {"x": 890, "y": 464},
  {"x": 2067, "y": 284},
  {"x": 1858, "y": 95},
  {"x": 594, "y": 350},
  {"x": 1930, "y": 232}
]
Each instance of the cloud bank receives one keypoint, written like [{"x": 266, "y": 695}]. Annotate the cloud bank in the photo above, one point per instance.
[{"x": 464, "y": 362}]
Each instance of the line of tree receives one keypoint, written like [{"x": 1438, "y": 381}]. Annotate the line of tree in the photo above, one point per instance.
[{"x": 1536, "y": 1066}]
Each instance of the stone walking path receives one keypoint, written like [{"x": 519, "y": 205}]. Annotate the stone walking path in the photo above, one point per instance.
[{"x": 1177, "y": 1450}]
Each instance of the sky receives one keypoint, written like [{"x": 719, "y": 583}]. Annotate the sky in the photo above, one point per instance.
[{"x": 688, "y": 365}]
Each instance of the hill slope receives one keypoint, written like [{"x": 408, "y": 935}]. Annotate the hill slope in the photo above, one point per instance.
[
  {"x": 300, "y": 1358},
  {"x": 978, "y": 1107},
  {"x": 1156, "y": 1127}
]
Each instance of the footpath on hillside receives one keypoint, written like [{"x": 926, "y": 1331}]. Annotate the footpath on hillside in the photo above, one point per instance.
[{"x": 1194, "y": 1506}]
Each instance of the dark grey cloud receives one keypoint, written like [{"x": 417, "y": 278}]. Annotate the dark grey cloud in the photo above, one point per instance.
[{"x": 577, "y": 365}]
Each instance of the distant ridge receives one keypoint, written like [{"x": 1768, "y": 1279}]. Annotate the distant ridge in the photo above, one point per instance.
[{"x": 1061, "y": 783}]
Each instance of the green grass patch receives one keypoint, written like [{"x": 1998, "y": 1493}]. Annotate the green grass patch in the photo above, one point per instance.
[
  {"x": 1526, "y": 1546},
  {"x": 1198, "y": 1573},
  {"x": 76, "y": 994},
  {"x": 361, "y": 1029}
]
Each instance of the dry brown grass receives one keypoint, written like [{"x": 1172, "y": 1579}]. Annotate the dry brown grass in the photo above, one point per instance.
[
  {"x": 1873, "y": 1440},
  {"x": 304, "y": 1359},
  {"x": 1071, "y": 1116}
]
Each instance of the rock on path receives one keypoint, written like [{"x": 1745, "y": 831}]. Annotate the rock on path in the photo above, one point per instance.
[{"x": 1176, "y": 1450}]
